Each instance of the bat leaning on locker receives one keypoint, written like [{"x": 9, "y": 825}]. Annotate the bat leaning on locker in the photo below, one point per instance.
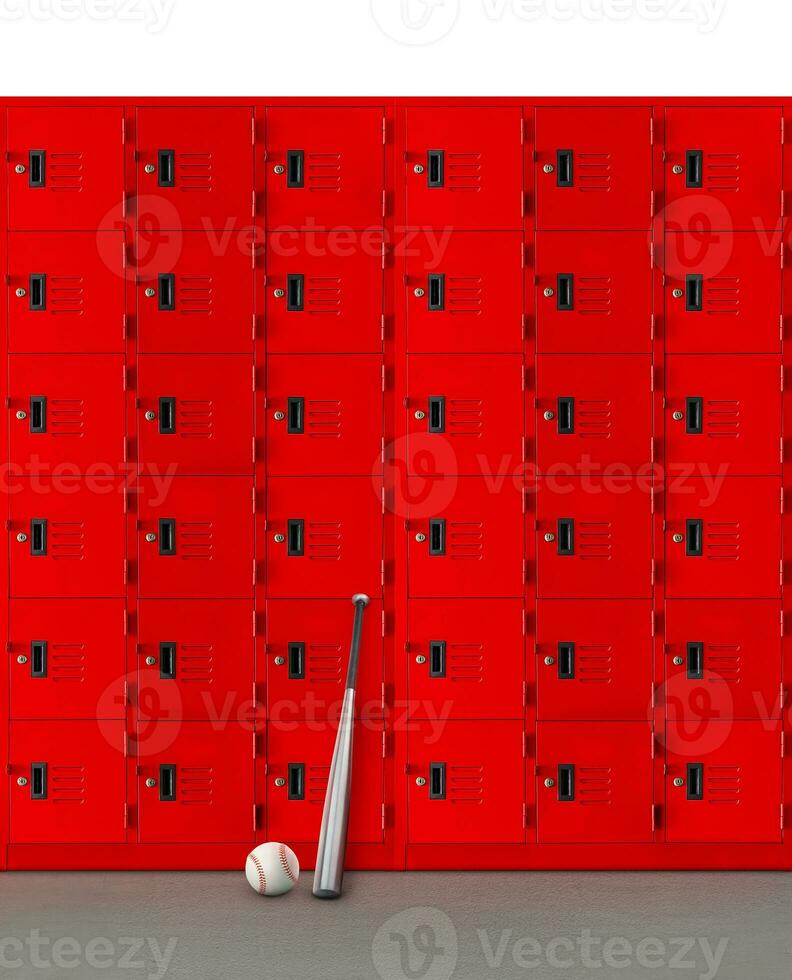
[{"x": 329, "y": 874}]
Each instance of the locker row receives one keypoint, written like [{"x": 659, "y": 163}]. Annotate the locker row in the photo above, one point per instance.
[
  {"x": 585, "y": 782},
  {"x": 464, "y": 658},
  {"x": 466, "y": 414},
  {"x": 465, "y": 536},
  {"x": 582, "y": 167},
  {"x": 463, "y": 291}
]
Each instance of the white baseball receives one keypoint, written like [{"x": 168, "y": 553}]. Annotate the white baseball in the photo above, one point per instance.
[{"x": 272, "y": 869}]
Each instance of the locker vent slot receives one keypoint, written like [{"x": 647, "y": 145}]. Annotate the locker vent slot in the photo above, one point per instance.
[
  {"x": 593, "y": 295},
  {"x": 465, "y": 417},
  {"x": 465, "y": 295},
  {"x": 324, "y": 540},
  {"x": 721, "y": 172},
  {"x": 196, "y": 786},
  {"x": 195, "y": 295},
  {"x": 66, "y": 784},
  {"x": 167, "y": 784},
  {"x": 65, "y": 171},
  {"x": 195, "y": 540},
  {"x": 465, "y": 785},
  {"x": 324, "y": 418},
  {"x": 195, "y": 418},
  {"x": 194, "y": 172},
  {"x": 323, "y": 172},
  {"x": 722, "y": 541},
  {"x": 325, "y": 663},
  {"x": 437, "y": 658},
  {"x": 593, "y": 786},
  {"x": 723, "y": 418},
  {"x": 566, "y": 783},
  {"x": 66, "y": 540},
  {"x": 437, "y": 781},
  {"x": 465, "y": 662},
  {"x": 722, "y": 295},
  {"x": 594, "y": 664},
  {"x": 65, "y": 295},
  {"x": 196, "y": 663},
  {"x": 323, "y": 295},
  {"x": 65, "y": 417},
  {"x": 296, "y": 781},
  {"x": 466, "y": 540},
  {"x": 723, "y": 785},
  {"x": 463, "y": 171},
  {"x": 593, "y": 172},
  {"x": 296, "y": 660},
  {"x": 67, "y": 662},
  {"x": 593, "y": 539},
  {"x": 38, "y": 658},
  {"x": 725, "y": 661},
  {"x": 38, "y": 781}
]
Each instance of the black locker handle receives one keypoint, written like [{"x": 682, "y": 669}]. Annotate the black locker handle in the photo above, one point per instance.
[
  {"x": 436, "y": 413},
  {"x": 564, "y": 169},
  {"x": 565, "y": 291},
  {"x": 695, "y": 661},
  {"x": 437, "y": 780},
  {"x": 295, "y": 168},
  {"x": 437, "y": 536},
  {"x": 435, "y": 168},
  {"x": 166, "y": 291},
  {"x": 566, "y": 536},
  {"x": 167, "y": 536},
  {"x": 166, "y": 168},
  {"x": 167, "y": 416},
  {"x": 295, "y": 415},
  {"x": 295, "y": 538},
  {"x": 436, "y": 283},
  {"x": 167, "y": 660},
  {"x": 566, "y": 416},
  {"x": 694, "y": 534},
  {"x": 38, "y": 658},
  {"x": 694, "y": 416},
  {"x": 38, "y": 537},
  {"x": 566, "y": 661},
  {"x": 296, "y": 655},
  {"x": 695, "y": 781},
  {"x": 38, "y": 781},
  {"x": 437, "y": 658},
  {"x": 694, "y": 293},
  {"x": 694, "y": 172},
  {"x": 295, "y": 292},
  {"x": 566, "y": 783},
  {"x": 38, "y": 413},
  {"x": 296, "y": 781},
  {"x": 167, "y": 783},
  {"x": 37, "y": 168},
  {"x": 37, "y": 292}
]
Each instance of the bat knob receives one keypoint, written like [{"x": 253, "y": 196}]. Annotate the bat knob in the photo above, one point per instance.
[{"x": 360, "y": 598}]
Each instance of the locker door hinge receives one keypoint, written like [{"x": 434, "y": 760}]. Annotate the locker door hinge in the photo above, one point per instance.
[
  {"x": 123, "y": 129},
  {"x": 383, "y": 817},
  {"x": 126, "y": 816},
  {"x": 651, "y": 130},
  {"x": 525, "y": 745},
  {"x": 126, "y": 572},
  {"x": 382, "y": 621},
  {"x": 384, "y": 200},
  {"x": 525, "y": 694},
  {"x": 127, "y": 699},
  {"x": 126, "y": 745},
  {"x": 652, "y": 327},
  {"x": 123, "y": 326},
  {"x": 126, "y": 622},
  {"x": 522, "y": 131},
  {"x": 384, "y": 746},
  {"x": 525, "y": 571},
  {"x": 653, "y": 623},
  {"x": 384, "y": 131},
  {"x": 252, "y": 214},
  {"x": 525, "y": 814},
  {"x": 781, "y": 326},
  {"x": 255, "y": 819},
  {"x": 652, "y": 210},
  {"x": 782, "y": 816},
  {"x": 652, "y": 253},
  {"x": 652, "y": 741},
  {"x": 654, "y": 563},
  {"x": 523, "y": 326},
  {"x": 781, "y": 623},
  {"x": 783, "y": 127},
  {"x": 252, "y": 130},
  {"x": 655, "y": 817}
]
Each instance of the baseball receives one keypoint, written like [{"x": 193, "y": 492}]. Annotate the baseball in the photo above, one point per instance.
[{"x": 272, "y": 869}]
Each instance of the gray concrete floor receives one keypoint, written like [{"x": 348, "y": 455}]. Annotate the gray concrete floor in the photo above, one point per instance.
[{"x": 398, "y": 927}]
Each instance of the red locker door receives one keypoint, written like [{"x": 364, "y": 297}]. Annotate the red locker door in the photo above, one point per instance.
[
  {"x": 298, "y": 765},
  {"x": 308, "y": 656},
  {"x": 324, "y": 296},
  {"x": 723, "y": 538},
  {"x": 593, "y": 167},
  {"x": 723, "y": 659},
  {"x": 466, "y": 783},
  {"x": 66, "y": 166},
  {"x": 198, "y": 789},
  {"x": 594, "y": 538},
  {"x": 193, "y": 298},
  {"x": 324, "y": 415},
  {"x": 324, "y": 537},
  {"x": 195, "y": 167},
  {"x": 68, "y": 658},
  {"x": 67, "y": 782},
  {"x": 594, "y": 659},
  {"x": 723, "y": 166},
  {"x": 466, "y": 658},
  {"x": 465, "y": 292},
  {"x": 195, "y": 660},
  {"x": 325, "y": 167},
  {"x": 66, "y": 292},
  {"x": 196, "y": 537},
  {"x": 196, "y": 413},
  {"x": 594, "y": 782},
  {"x": 593, "y": 411},
  {"x": 463, "y": 413},
  {"x": 67, "y": 410},
  {"x": 464, "y": 168},
  {"x": 68, "y": 538},
  {"x": 723, "y": 411},
  {"x": 732, "y": 767},
  {"x": 464, "y": 537},
  {"x": 722, "y": 293},
  {"x": 593, "y": 292}
]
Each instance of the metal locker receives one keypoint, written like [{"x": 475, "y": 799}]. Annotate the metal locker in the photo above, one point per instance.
[
  {"x": 723, "y": 412},
  {"x": 66, "y": 292},
  {"x": 324, "y": 414},
  {"x": 67, "y": 538},
  {"x": 594, "y": 538},
  {"x": 464, "y": 537},
  {"x": 298, "y": 766},
  {"x": 324, "y": 537},
  {"x": 722, "y": 293},
  {"x": 192, "y": 297},
  {"x": 593, "y": 411},
  {"x": 67, "y": 782},
  {"x": 195, "y": 413},
  {"x": 594, "y": 782},
  {"x": 723, "y": 538},
  {"x": 195, "y": 537},
  {"x": 723, "y": 782},
  {"x": 723, "y": 167},
  {"x": 593, "y": 167},
  {"x": 325, "y": 168},
  {"x": 464, "y": 168},
  {"x": 324, "y": 295},
  {"x": 723, "y": 659},
  {"x": 195, "y": 169},
  {"x": 67, "y": 658},
  {"x": 65, "y": 167},
  {"x": 593, "y": 659},
  {"x": 593, "y": 292},
  {"x": 466, "y": 658},
  {"x": 67, "y": 410},
  {"x": 308, "y": 656},
  {"x": 466, "y": 782},
  {"x": 198, "y": 786},
  {"x": 195, "y": 661},
  {"x": 464, "y": 413}
]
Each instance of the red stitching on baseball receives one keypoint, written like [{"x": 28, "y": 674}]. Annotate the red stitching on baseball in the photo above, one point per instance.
[
  {"x": 284, "y": 862},
  {"x": 262, "y": 877}
]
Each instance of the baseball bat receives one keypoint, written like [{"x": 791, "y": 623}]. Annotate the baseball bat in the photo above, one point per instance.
[{"x": 329, "y": 874}]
